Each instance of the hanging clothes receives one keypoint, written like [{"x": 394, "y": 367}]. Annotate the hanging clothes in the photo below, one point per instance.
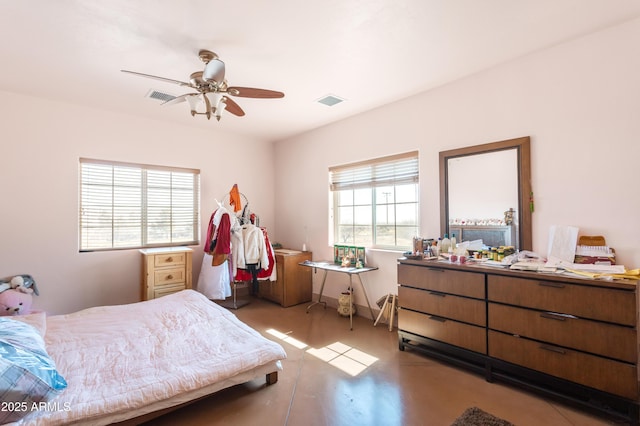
[
  {"x": 216, "y": 272},
  {"x": 255, "y": 249},
  {"x": 241, "y": 273},
  {"x": 234, "y": 198}
]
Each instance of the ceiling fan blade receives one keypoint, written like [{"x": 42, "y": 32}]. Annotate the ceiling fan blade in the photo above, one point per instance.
[
  {"x": 178, "y": 99},
  {"x": 233, "y": 107},
  {"x": 168, "y": 80},
  {"x": 214, "y": 71},
  {"x": 250, "y": 92}
]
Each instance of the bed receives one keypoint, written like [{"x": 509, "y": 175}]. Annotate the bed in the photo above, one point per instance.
[{"x": 131, "y": 361}]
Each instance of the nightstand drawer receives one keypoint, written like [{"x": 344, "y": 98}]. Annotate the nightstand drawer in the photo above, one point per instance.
[
  {"x": 165, "y": 271},
  {"x": 443, "y": 280},
  {"x": 611, "y": 376},
  {"x": 169, "y": 276},
  {"x": 599, "y": 303},
  {"x": 168, "y": 289},
  {"x": 443, "y": 305},
  {"x": 169, "y": 259},
  {"x": 448, "y": 331}
]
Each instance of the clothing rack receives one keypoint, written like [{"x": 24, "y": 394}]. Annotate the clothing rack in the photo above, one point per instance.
[{"x": 244, "y": 216}]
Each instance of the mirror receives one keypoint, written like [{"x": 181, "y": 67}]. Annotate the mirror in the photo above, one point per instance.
[{"x": 482, "y": 187}]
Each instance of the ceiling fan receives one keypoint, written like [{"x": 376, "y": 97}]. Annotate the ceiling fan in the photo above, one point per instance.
[{"x": 211, "y": 91}]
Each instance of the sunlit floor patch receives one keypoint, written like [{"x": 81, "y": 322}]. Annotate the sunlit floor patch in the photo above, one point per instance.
[
  {"x": 286, "y": 338},
  {"x": 324, "y": 354},
  {"x": 350, "y": 360}
]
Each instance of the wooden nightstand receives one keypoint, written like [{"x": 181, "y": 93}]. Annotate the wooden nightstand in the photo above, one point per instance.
[
  {"x": 293, "y": 285},
  {"x": 165, "y": 270}
]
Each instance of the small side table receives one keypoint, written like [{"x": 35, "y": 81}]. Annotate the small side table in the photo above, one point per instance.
[{"x": 327, "y": 266}]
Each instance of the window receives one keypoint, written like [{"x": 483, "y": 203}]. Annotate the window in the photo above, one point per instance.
[
  {"x": 132, "y": 205},
  {"x": 375, "y": 202}
]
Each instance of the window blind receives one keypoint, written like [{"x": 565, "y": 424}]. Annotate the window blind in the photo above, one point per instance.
[
  {"x": 392, "y": 170},
  {"x": 125, "y": 205}
]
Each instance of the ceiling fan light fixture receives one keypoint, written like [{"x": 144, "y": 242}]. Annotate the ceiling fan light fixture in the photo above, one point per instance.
[
  {"x": 222, "y": 105},
  {"x": 214, "y": 71},
  {"x": 194, "y": 101},
  {"x": 214, "y": 97}
]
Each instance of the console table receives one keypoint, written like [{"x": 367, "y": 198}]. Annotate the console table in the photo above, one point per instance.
[
  {"x": 572, "y": 338},
  {"x": 327, "y": 266}
]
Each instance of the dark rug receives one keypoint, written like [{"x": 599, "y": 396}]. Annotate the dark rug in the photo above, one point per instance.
[{"x": 476, "y": 417}]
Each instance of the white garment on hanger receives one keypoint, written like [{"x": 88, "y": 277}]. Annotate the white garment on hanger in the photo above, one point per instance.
[
  {"x": 237, "y": 251},
  {"x": 255, "y": 247},
  {"x": 214, "y": 281}
]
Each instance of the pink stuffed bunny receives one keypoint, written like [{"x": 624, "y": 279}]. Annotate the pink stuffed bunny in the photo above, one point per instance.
[{"x": 15, "y": 302}]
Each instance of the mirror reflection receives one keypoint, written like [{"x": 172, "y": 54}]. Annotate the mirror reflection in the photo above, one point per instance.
[{"x": 484, "y": 193}]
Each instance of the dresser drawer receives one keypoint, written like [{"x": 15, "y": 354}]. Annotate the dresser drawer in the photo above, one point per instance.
[
  {"x": 444, "y": 330},
  {"x": 167, "y": 289},
  {"x": 443, "y": 280},
  {"x": 169, "y": 276},
  {"x": 169, "y": 259},
  {"x": 443, "y": 305},
  {"x": 600, "y": 303},
  {"x": 165, "y": 270},
  {"x": 610, "y": 340},
  {"x": 607, "y": 375}
]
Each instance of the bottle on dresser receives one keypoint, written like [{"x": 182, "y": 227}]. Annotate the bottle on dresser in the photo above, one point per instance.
[{"x": 446, "y": 244}]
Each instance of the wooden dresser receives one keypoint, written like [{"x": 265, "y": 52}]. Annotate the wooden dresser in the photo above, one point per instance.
[
  {"x": 294, "y": 284},
  {"x": 165, "y": 271},
  {"x": 570, "y": 337}
]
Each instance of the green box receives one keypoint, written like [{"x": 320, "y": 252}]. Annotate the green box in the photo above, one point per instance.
[
  {"x": 361, "y": 255},
  {"x": 339, "y": 252}
]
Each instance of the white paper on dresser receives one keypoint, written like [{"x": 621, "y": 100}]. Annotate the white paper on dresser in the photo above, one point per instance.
[{"x": 562, "y": 245}]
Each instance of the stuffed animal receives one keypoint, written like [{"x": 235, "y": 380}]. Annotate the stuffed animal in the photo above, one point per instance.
[
  {"x": 24, "y": 283},
  {"x": 15, "y": 302},
  {"x": 16, "y": 295}
]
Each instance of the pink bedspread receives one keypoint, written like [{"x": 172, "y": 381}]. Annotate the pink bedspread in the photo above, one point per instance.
[{"x": 118, "y": 360}]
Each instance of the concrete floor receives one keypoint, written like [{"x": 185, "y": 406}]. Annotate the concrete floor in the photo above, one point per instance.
[{"x": 387, "y": 387}]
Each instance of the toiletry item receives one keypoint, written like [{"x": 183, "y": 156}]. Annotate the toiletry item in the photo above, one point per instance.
[{"x": 446, "y": 244}]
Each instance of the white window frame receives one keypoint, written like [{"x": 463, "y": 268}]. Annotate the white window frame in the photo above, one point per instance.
[
  {"x": 128, "y": 205},
  {"x": 395, "y": 171}
]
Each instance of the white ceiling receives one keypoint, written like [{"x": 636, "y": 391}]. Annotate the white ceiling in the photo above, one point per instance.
[{"x": 370, "y": 52}]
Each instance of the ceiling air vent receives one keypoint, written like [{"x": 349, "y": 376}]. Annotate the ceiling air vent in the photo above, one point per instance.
[
  {"x": 161, "y": 96},
  {"x": 330, "y": 100}
]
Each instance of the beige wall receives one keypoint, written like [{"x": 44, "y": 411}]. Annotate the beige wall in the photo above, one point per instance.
[
  {"x": 41, "y": 144},
  {"x": 579, "y": 102}
]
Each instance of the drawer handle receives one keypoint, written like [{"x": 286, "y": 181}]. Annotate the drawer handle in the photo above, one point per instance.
[
  {"x": 435, "y": 318},
  {"x": 550, "y": 315},
  {"x": 437, "y": 293},
  {"x": 169, "y": 277},
  {"x": 550, "y": 284},
  {"x": 169, "y": 259},
  {"x": 553, "y": 349},
  {"x": 435, "y": 270}
]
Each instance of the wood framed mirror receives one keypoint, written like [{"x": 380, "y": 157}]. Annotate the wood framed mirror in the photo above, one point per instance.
[{"x": 479, "y": 184}]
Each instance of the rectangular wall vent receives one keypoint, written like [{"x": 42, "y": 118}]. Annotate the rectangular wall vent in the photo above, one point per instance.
[
  {"x": 330, "y": 100},
  {"x": 161, "y": 96}
]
